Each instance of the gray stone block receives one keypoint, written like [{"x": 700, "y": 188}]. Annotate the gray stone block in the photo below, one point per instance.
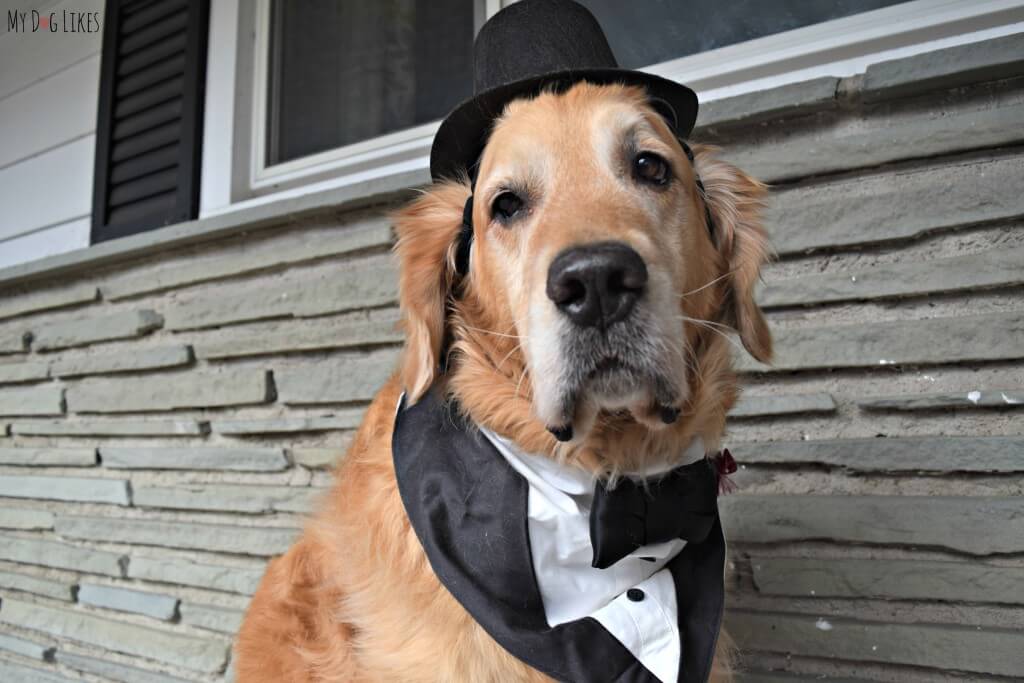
[
  {"x": 995, "y": 268},
  {"x": 225, "y": 498},
  {"x": 821, "y": 150},
  {"x": 113, "y": 671},
  {"x": 988, "y": 60},
  {"x": 17, "y": 673},
  {"x": 17, "y": 518},
  {"x": 20, "y": 303},
  {"x": 26, "y": 648},
  {"x": 163, "y": 607},
  {"x": 180, "y": 571},
  {"x": 792, "y": 99},
  {"x": 913, "y": 454},
  {"x": 247, "y": 459},
  {"x": 211, "y": 617},
  {"x": 207, "y": 655},
  {"x": 943, "y": 647},
  {"x": 36, "y": 585},
  {"x": 304, "y": 339},
  {"x": 975, "y": 525},
  {"x": 242, "y": 540},
  {"x": 926, "y": 580},
  {"x": 44, "y": 400},
  {"x": 205, "y": 389},
  {"x": 343, "y": 419},
  {"x": 373, "y": 282},
  {"x": 61, "y": 556},
  {"x": 978, "y": 398},
  {"x": 338, "y": 380},
  {"x": 83, "y": 331},
  {"x": 14, "y": 340},
  {"x": 75, "y": 489},
  {"x": 119, "y": 427},
  {"x": 30, "y": 371},
  {"x": 887, "y": 207},
  {"x": 37, "y": 456},
  {"x": 320, "y": 458},
  {"x": 782, "y": 404},
  {"x": 752, "y": 676},
  {"x": 910, "y": 342},
  {"x": 123, "y": 361},
  {"x": 277, "y": 252}
]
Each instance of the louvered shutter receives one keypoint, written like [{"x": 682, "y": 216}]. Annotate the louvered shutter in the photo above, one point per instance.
[{"x": 149, "y": 129}]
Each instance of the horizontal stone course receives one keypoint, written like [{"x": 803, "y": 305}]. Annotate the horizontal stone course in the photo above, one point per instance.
[
  {"x": 205, "y": 389},
  {"x": 211, "y": 618},
  {"x": 113, "y": 670},
  {"x": 26, "y": 648},
  {"x": 17, "y": 518},
  {"x": 987, "y": 60},
  {"x": 782, "y": 404},
  {"x": 909, "y": 342},
  {"x": 875, "y": 142},
  {"x": 373, "y": 282},
  {"x": 199, "y": 654},
  {"x": 155, "y": 605},
  {"x": 83, "y": 331},
  {"x": 320, "y": 458},
  {"x": 176, "y": 570},
  {"x": 133, "y": 360},
  {"x": 45, "y": 300},
  {"x": 61, "y": 556},
  {"x": 36, "y": 585},
  {"x": 11, "y": 672},
  {"x": 338, "y": 380},
  {"x": 14, "y": 340},
  {"x": 241, "y": 540},
  {"x": 116, "y": 427},
  {"x": 28, "y": 371},
  {"x": 995, "y": 268},
  {"x": 978, "y": 398},
  {"x": 304, "y": 339},
  {"x": 911, "y": 454},
  {"x": 40, "y": 400},
  {"x": 225, "y": 497},
  {"x": 247, "y": 459},
  {"x": 348, "y": 419},
  {"x": 889, "y": 579},
  {"x": 74, "y": 489},
  {"x": 304, "y": 245},
  {"x": 979, "y": 526},
  {"x": 960, "y": 648},
  {"x": 893, "y": 206},
  {"x": 37, "y": 456},
  {"x": 787, "y": 100}
]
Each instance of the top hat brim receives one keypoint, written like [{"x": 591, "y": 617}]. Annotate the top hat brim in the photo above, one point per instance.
[{"x": 463, "y": 134}]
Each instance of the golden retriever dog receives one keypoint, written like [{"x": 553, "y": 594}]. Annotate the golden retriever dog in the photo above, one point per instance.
[{"x": 594, "y": 167}]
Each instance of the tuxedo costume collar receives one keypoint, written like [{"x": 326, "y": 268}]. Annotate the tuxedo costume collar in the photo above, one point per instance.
[{"x": 506, "y": 534}]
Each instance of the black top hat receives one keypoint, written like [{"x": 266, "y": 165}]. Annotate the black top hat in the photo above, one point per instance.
[{"x": 529, "y": 46}]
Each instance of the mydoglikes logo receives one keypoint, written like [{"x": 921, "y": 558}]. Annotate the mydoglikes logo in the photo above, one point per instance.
[{"x": 65, "y": 21}]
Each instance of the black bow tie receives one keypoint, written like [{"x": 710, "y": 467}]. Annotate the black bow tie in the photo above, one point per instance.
[{"x": 681, "y": 504}]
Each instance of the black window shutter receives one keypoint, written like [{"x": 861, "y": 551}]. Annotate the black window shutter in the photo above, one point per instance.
[{"x": 150, "y": 125}]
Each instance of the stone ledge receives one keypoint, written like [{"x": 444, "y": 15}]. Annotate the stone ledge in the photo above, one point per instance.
[
  {"x": 234, "y": 459},
  {"x": 30, "y": 456},
  {"x": 29, "y": 371},
  {"x": 132, "y": 360},
  {"x": 16, "y": 673},
  {"x": 14, "y": 341},
  {"x": 250, "y": 499},
  {"x": 61, "y": 556},
  {"x": 125, "y": 427},
  {"x": 155, "y": 605},
  {"x": 37, "y": 586},
  {"x": 113, "y": 670},
  {"x": 84, "y": 331},
  {"x": 179, "y": 571},
  {"x": 44, "y": 400},
  {"x": 200, "y": 389},
  {"x": 20, "y": 303},
  {"x": 983, "y": 398},
  {"x": 339, "y": 380},
  {"x": 793, "y": 99},
  {"x": 289, "y": 425},
  {"x": 27, "y": 520},
  {"x": 27, "y": 648},
  {"x": 211, "y": 617},
  {"x": 782, "y": 404},
  {"x": 70, "y": 489}
]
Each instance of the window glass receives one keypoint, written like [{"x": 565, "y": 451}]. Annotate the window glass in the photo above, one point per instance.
[
  {"x": 342, "y": 71},
  {"x": 647, "y": 32}
]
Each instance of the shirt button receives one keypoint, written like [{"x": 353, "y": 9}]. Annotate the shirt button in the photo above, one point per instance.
[{"x": 635, "y": 594}]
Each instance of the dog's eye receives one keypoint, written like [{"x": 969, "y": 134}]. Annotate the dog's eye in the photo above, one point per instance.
[
  {"x": 506, "y": 205},
  {"x": 651, "y": 168}
]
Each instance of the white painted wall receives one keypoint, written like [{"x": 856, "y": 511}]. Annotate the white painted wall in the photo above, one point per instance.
[{"x": 49, "y": 93}]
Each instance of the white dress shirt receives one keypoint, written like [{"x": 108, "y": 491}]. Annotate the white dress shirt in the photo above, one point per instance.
[{"x": 635, "y": 598}]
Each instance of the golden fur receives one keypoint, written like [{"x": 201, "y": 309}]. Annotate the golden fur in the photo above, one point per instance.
[{"x": 355, "y": 598}]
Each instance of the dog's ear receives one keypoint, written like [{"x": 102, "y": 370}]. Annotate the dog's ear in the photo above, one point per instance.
[
  {"x": 735, "y": 201},
  {"x": 427, "y": 230}
]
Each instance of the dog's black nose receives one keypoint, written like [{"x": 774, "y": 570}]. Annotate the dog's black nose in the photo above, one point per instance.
[{"x": 597, "y": 285}]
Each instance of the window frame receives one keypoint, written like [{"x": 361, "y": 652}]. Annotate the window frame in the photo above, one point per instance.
[{"x": 840, "y": 47}]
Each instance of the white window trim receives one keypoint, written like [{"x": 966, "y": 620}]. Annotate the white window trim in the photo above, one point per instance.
[{"x": 842, "y": 47}]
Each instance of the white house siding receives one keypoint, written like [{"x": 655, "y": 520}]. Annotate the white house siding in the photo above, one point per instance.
[
  {"x": 165, "y": 421},
  {"x": 49, "y": 90}
]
